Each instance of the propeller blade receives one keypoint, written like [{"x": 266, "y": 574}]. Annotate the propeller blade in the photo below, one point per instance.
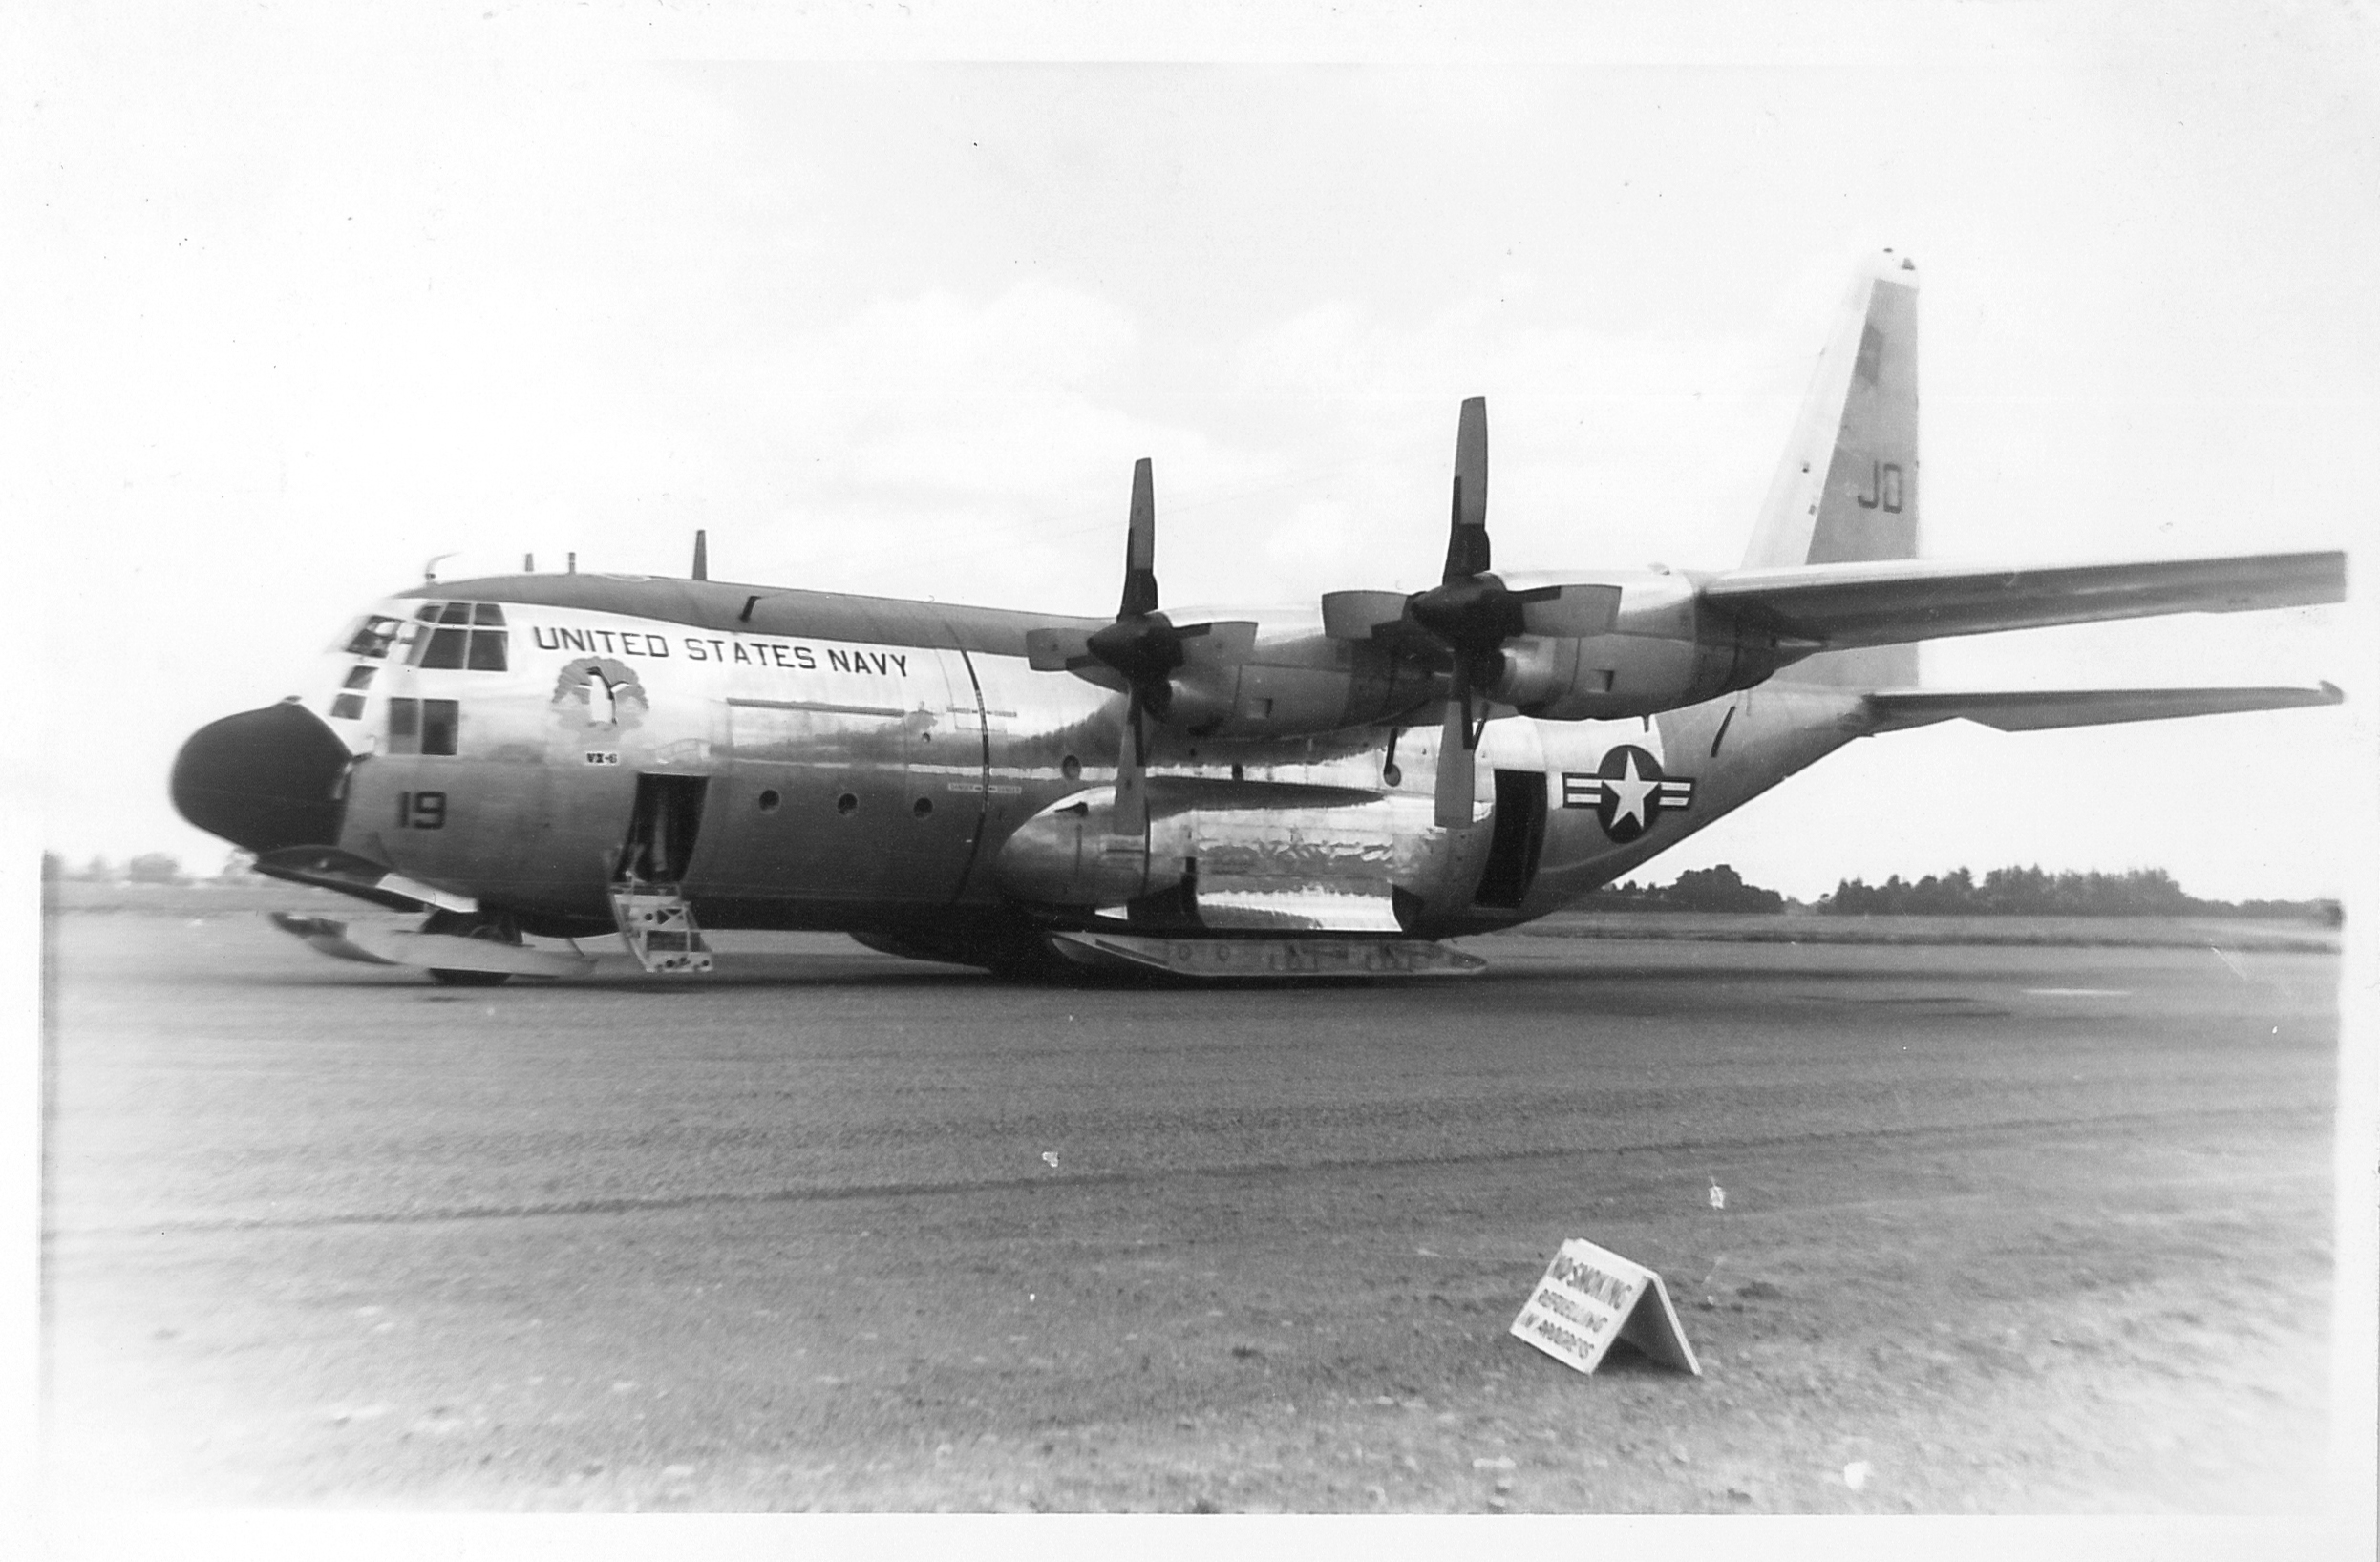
[
  {"x": 1359, "y": 615},
  {"x": 1056, "y": 650},
  {"x": 1467, "y": 537},
  {"x": 1219, "y": 644},
  {"x": 1141, "y": 547},
  {"x": 1458, "y": 779},
  {"x": 1143, "y": 644},
  {"x": 1571, "y": 610},
  {"x": 1131, "y": 777}
]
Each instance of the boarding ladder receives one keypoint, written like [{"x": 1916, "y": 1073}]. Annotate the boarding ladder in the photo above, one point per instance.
[{"x": 658, "y": 927}]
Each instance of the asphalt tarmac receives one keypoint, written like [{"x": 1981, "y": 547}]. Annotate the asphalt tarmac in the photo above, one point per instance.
[{"x": 1953, "y": 1229}]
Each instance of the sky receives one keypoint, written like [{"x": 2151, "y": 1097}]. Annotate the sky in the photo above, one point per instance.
[{"x": 889, "y": 301}]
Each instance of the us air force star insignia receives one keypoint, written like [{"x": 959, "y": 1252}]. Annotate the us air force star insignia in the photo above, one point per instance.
[{"x": 1628, "y": 792}]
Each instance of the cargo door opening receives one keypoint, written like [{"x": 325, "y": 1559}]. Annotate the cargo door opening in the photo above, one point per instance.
[
  {"x": 661, "y": 829},
  {"x": 654, "y": 919},
  {"x": 1519, "y": 836}
]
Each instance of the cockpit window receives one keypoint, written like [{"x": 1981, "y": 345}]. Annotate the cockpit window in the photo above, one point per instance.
[
  {"x": 373, "y": 636},
  {"x": 445, "y": 648},
  {"x": 480, "y": 648}
]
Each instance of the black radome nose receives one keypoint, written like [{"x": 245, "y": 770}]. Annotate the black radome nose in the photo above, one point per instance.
[{"x": 264, "y": 779}]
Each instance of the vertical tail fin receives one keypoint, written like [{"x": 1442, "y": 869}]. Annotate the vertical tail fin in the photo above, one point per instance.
[{"x": 1848, "y": 486}]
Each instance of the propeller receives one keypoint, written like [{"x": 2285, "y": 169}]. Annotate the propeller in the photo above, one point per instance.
[
  {"x": 1143, "y": 647},
  {"x": 1471, "y": 614},
  {"x": 1140, "y": 652}
]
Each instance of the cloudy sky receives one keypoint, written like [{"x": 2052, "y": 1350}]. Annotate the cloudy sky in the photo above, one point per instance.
[{"x": 891, "y": 304}]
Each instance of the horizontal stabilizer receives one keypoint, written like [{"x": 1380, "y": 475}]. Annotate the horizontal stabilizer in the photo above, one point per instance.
[
  {"x": 1890, "y": 602},
  {"x": 2032, "y": 711}
]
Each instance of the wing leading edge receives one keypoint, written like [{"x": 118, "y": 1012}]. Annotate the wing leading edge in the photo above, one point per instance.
[
  {"x": 2033, "y": 710},
  {"x": 1889, "y": 602}
]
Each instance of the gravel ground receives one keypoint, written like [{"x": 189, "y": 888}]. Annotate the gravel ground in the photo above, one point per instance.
[{"x": 2011, "y": 1230}]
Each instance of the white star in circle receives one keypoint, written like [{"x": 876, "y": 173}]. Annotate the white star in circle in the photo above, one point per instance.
[{"x": 1629, "y": 794}]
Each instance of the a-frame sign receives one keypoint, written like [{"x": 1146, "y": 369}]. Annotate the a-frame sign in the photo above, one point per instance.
[{"x": 1589, "y": 1298}]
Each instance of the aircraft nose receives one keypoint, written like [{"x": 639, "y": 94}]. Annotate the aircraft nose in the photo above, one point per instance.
[{"x": 264, "y": 779}]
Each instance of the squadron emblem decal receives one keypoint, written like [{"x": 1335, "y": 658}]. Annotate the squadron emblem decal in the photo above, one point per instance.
[
  {"x": 1628, "y": 792},
  {"x": 598, "y": 692}
]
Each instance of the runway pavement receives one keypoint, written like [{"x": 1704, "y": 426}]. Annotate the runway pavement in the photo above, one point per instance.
[{"x": 2016, "y": 1229}]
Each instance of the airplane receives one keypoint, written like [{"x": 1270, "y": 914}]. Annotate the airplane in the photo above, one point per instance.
[{"x": 1316, "y": 793}]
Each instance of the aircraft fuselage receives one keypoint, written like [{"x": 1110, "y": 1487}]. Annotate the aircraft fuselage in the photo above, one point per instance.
[{"x": 806, "y": 760}]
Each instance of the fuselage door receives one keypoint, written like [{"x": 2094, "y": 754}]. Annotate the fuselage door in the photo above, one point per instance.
[
  {"x": 1518, "y": 841},
  {"x": 663, "y": 828}
]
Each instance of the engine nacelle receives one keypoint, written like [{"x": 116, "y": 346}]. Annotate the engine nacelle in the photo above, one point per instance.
[
  {"x": 1664, "y": 650},
  {"x": 1295, "y": 686}
]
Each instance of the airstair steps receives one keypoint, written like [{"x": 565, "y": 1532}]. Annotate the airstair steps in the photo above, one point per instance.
[{"x": 658, "y": 927}]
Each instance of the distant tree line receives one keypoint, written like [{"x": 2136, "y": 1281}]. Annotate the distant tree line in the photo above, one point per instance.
[
  {"x": 1697, "y": 889},
  {"x": 2030, "y": 891},
  {"x": 2003, "y": 892},
  {"x": 148, "y": 868}
]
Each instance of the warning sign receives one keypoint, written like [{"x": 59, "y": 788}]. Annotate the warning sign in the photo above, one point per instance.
[{"x": 1591, "y": 1296}]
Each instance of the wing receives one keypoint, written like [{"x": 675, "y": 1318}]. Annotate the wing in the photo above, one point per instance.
[
  {"x": 1892, "y": 710},
  {"x": 1894, "y": 602}
]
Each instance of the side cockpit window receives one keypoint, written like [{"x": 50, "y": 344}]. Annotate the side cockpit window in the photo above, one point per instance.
[
  {"x": 348, "y": 705},
  {"x": 469, "y": 635},
  {"x": 372, "y": 637}
]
